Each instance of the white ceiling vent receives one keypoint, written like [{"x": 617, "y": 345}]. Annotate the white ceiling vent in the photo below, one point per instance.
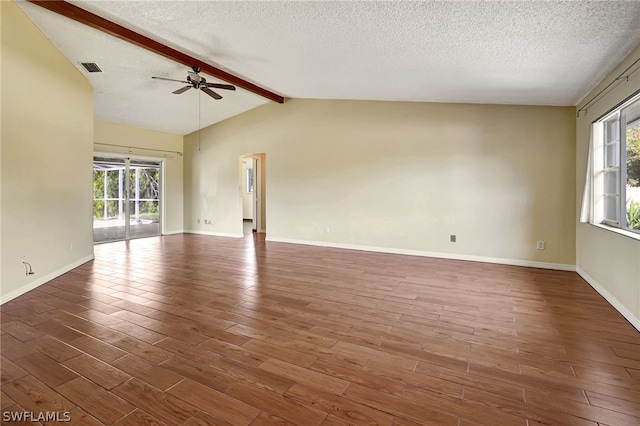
[{"x": 91, "y": 66}]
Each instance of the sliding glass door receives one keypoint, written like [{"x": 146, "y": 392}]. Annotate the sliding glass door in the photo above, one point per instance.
[{"x": 126, "y": 199}]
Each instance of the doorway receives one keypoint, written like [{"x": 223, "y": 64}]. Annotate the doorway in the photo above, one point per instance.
[
  {"x": 126, "y": 199},
  {"x": 252, "y": 191}
]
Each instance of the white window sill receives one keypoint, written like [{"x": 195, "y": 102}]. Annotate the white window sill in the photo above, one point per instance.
[{"x": 624, "y": 232}]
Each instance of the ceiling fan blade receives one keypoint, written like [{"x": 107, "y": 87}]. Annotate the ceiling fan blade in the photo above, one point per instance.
[
  {"x": 171, "y": 79},
  {"x": 211, "y": 93},
  {"x": 221, "y": 86},
  {"x": 181, "y": 90}
]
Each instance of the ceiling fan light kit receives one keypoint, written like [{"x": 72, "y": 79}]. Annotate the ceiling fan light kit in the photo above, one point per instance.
[{"x": 196, "y": 81}]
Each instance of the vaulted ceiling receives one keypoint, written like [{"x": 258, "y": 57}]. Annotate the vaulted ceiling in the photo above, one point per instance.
[{"x": 504, "y": 52}]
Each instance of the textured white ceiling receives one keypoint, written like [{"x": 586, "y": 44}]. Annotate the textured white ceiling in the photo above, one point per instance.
[{"x": 519, "y": 52}]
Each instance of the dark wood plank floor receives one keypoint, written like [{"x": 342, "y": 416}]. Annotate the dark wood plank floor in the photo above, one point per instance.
[{"x": 199, "y": 330}]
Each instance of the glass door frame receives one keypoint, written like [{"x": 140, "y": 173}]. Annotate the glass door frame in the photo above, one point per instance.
[{"x": 128, "y": 164}]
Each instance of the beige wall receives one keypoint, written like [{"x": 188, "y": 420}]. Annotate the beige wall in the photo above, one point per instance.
[
  {"x": 1, "y": 102},
  {"x": 47, "y": 135},
  {"x": 609, "y": 261},
  {"x": 149, "y": 144},
  {"x": 397, "y": 177}
]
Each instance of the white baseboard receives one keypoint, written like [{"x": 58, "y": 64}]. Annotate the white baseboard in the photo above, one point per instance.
[
  {"x": 635, "y": 321},
  {"x": 43, "y": 279},
  {"x": 179, "y": 231},
  {"x": 214, "y": 234},
  {"x": 453, "y": 256}
]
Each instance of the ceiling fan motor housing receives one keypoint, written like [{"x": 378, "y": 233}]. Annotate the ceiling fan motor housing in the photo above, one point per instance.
[{"x": 195, "y": 79}]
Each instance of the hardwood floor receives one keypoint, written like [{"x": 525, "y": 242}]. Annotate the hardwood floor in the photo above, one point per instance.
[{"x": 199, "y": 330}]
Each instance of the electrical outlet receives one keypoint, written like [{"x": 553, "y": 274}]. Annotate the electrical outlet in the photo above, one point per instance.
[
  {"x": 327, "y": 230},
  {"x": 71, "y": 247},
  {"x": 452, "y": 238},
  {"x": 540, "y": 245}
]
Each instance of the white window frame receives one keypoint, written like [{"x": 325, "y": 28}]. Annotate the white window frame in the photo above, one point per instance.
[
  {"x": 611, "y": 171},
  {"x": 609, "y": 168}
]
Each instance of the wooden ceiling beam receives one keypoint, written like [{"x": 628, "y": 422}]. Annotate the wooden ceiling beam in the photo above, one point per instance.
[{"x": 85, "y": 17}]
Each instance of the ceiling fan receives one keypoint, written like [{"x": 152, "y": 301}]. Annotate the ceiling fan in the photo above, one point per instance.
[{"x": 194, "y": 80}]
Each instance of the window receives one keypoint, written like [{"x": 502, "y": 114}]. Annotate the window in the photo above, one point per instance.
[
  {"x": 249, "y": 181},
  {"x": 616, "y": 167}
]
